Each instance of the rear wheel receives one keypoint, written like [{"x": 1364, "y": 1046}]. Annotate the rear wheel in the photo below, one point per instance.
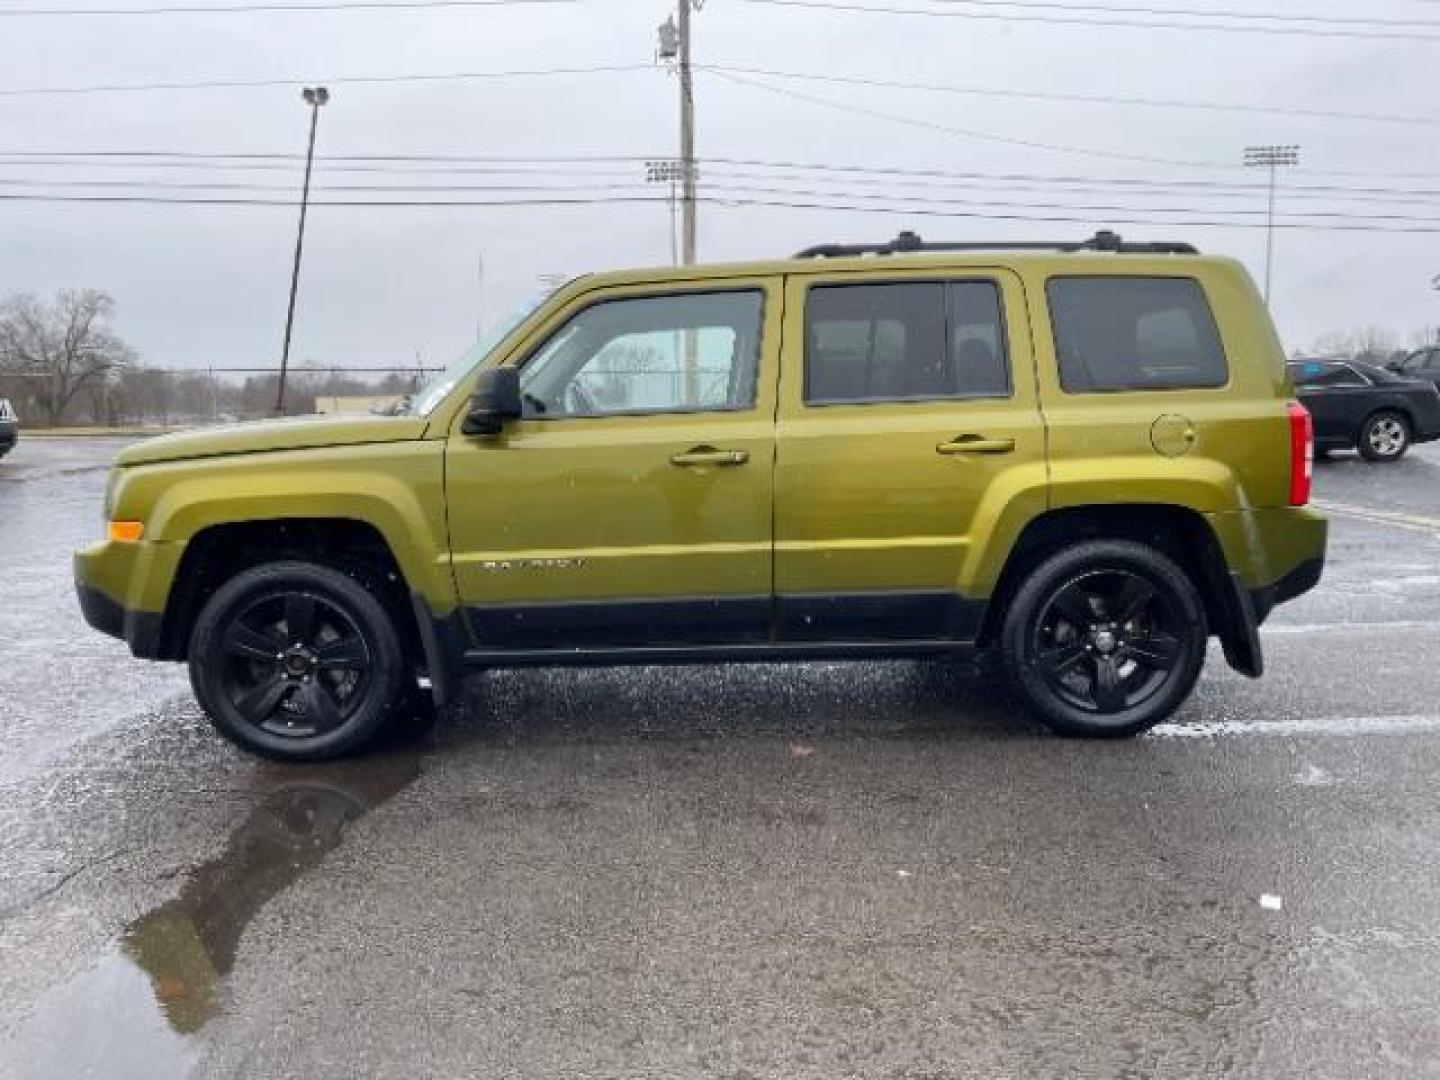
[
  {"x": 1385, "y": 436},
  {"x": 1104, "y": 640},
  {"x": 296, "y": 660}
]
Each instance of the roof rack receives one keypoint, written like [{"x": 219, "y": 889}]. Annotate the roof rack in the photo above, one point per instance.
[{"x": 907, "y": 241}]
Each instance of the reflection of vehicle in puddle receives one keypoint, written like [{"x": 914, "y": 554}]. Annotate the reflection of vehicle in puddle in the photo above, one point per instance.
[
  {"x": 187, "y": 946},
  {"x": 102, "y": 1022}
]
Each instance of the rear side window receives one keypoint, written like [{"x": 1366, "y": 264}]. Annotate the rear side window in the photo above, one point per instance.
[
  {"x": 1312, "y": 373},
  {"x": 910, "y": 341},
  {"x": 1134, "y": 333}
]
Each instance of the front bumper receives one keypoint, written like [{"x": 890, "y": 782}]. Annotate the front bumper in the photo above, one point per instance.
[{"x": 141, "y": 630}]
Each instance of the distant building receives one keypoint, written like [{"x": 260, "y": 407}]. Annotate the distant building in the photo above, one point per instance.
[{"x": 352, "y": 404}]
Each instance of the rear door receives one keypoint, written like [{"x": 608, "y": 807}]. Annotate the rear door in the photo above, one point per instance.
[{"x": 904, "y": 401}]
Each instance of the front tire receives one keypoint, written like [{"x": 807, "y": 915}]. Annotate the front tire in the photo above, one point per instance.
[
  {"x": 1104, "y": 640},
  {"x": 296, "y": 661},
  {"x": 1384, "y": 437}
]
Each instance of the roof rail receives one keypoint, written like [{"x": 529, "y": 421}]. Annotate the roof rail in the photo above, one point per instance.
[{"x": 907, "y": 241}]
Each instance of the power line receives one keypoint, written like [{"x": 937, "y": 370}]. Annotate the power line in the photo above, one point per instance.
[
  {"x": 1204, "y": 185},
  {"x": 250, "y": 84},
  {"x": 814, "y": 200},
  {"x": 790, "y": 204},
  {"x": 966, "y": 133},
  {"x": 739, "y": 69},
  {"x": 1187, "y": 12},
  {"x": 721, "y": 174},
  {"x": 1031, "y": 144},
  {"x": 1068, "y": 20},
  {"x": 291, "y": 5},
  {"x": 1090, "y": 99},
  {"x": 620, "y": 164}
]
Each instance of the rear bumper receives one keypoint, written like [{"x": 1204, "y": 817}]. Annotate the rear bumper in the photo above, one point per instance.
[
  {"x": 1296, "y": 583},
  {"x": 1274, "y": 555}
]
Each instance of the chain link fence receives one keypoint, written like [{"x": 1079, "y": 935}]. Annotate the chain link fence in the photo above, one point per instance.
[{"x": 140, "y": 396}]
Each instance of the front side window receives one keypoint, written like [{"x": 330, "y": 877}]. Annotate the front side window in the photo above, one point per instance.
[
  {"x": 911, "y": 341},
  {"x": 1134, "y": 333},
  {"x": 686, "y": 352}
]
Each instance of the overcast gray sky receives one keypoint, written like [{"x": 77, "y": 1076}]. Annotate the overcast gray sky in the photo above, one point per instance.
[{"x": 206, "y": 285}]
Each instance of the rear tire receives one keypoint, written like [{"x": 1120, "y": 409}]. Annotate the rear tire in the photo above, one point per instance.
[
  {"x": 1104, "y": 640},
  {"x": 297, "y": 661},
  {"x": 1384, "y": 437}
]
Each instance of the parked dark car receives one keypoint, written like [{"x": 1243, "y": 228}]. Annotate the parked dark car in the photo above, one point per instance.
[
  {"x": 1423, "y": 363},
  {"x": 9, "y": 427},
  {"x": 1373, "y": 410}
]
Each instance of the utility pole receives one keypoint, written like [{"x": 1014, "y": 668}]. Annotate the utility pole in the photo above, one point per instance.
[
  {"x": 666, "y": 172},
  {"x": 687, "y": 140},
  {"x": 675, "y": 49},
  {"x": 1271, "y": 157},
  {"x": 315, "y": 96}
]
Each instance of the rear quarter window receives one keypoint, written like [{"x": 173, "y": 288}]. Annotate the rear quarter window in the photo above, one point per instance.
[{"x": 1134, "y": 333}]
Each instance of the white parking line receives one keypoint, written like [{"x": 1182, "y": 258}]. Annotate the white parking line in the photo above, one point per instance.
[
  {"x": 1344, "y": 726},
  {"x": 1414, "y": 522},
  {"x": 1274, "y": 629}
]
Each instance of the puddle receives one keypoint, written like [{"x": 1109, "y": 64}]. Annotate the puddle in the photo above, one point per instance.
[{"x": 136, "y": 1011}]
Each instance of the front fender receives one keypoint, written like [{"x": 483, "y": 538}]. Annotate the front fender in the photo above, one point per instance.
[{"x": 397, "y": 488}]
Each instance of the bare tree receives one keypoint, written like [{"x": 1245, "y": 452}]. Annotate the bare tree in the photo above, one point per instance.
[
  {"x": 61, "y": 347},
  {"x": 1371, "y": 343}
]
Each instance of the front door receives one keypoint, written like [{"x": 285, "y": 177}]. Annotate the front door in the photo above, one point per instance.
[
  {"x": 903, "y": 404},
  {"x": 631, "y": 504}
]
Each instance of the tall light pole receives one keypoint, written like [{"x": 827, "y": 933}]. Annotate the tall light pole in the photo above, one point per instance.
[
  {"x": 479, "y": 295},
  {"x": 1271, "y": 157},
  {"x": 315, "y": 96}
]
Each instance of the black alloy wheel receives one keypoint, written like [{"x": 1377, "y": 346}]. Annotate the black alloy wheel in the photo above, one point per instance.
[
  {"x": 296, "y": 660},
  {"x": 1105, "y": 639}
]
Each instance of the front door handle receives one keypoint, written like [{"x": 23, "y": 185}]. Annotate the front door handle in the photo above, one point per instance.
[
  {"x": 708, "y": 455},
  {"x": 975, "y": 444}
]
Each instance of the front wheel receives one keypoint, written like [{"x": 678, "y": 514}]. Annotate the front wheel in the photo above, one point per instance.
[
  {"x": 1384, "y": 437},
  {"x": 1104, "y": 640},
  {"x": 297, "y": 661}
]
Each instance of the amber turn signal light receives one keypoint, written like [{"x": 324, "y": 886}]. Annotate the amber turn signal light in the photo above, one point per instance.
[{"x": 126, "y": 532}]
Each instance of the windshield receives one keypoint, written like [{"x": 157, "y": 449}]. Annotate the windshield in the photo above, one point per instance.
[{"x": 439, "y": 388}]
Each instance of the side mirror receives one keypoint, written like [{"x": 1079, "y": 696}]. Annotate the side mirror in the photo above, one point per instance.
[{"x": 496, "y": 399}]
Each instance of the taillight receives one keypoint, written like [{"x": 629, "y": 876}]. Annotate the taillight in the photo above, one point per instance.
[{"x": 1302, "y": 453}]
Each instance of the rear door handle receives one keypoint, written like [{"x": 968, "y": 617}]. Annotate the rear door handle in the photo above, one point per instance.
[
  {"x": 975, "y": 444},
  {"x": 708, "y": 455}
]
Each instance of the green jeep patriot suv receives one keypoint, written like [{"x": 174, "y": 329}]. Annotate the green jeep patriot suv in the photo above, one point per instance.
[{"x": 1085, "y": 457}]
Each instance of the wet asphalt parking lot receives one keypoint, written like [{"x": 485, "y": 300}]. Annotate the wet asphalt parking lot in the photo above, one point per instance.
[{"x": 831, "y": 870}]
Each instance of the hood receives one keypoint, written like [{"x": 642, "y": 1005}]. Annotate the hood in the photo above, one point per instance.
[{"x": 263, "y": 436}]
